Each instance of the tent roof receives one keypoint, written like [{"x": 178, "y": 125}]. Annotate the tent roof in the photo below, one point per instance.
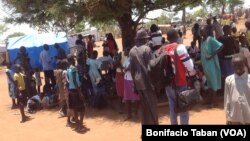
[{"x": 37, "y": 40}]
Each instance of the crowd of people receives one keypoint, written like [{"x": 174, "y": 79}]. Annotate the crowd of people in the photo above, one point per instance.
[{"x": 220, "y": 63}]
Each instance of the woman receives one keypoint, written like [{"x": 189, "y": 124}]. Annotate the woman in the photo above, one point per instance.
[
  {"x": 209, "y": 49},
  {"x": 112, "y": 45}
]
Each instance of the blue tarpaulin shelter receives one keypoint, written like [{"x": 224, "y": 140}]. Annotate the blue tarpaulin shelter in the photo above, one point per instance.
[{"x": 34, "y": 46}]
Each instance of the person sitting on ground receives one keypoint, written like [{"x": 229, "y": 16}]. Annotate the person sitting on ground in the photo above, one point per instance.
[
  {"x": 237, "y": 93},
  {"x": 49, "y": 97},
  {"x": 34, "y": 103}
]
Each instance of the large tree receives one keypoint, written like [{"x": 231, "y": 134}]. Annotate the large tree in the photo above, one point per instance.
[
  {"x": 3, "y": 29},
  {"x": 65, "y": 14},
  {"x": 15, "y": 34}
]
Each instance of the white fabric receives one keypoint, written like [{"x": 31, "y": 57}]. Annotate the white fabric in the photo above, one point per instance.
[
  {"x": 237, "y": 98},
  {"x": 46, "y": 60},
  {"x": 156, "y": 38}
]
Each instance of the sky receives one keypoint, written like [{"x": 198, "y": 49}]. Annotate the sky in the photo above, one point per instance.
[{"x": 25, "y": 28}]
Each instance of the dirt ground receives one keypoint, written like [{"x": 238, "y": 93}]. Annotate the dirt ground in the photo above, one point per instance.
[{"x": 104, "y": 125}]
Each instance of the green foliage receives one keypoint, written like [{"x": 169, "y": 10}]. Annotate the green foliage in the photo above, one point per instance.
[
  {"x": 217, "y": 5},
  {"x": 107, "y": 27},
  {"x": 56, "y": 15},
  {"x": 15, "y": 34},
  {"x": 199, "y": 13},
  {"x": 3, "y": 29},
  {"x": 165, "y": 18},
  {"x": 60, "y": 15}
]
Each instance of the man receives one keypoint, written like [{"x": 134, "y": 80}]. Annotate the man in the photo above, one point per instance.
[
  {"x": 237, "y": 93},
  {"x": 60, "y": 52},
  {"x": 46, "y": 61},
  {"x": 182, "y": 64},
  {"x": 217, "y": 28},
  {"x": 140, "y": 56},
  {"x": 24, "y": 59}
]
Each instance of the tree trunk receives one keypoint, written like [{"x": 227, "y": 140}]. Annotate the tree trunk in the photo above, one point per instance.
[
  {"x": 223, "y": 10},
  {"x": 128, "y": 30},
  {"x": 184, "y": 15},
  {"x": 232, "y": 9}
]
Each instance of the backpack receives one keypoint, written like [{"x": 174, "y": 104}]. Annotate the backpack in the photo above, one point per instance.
[{"x": 160, "y": 70}]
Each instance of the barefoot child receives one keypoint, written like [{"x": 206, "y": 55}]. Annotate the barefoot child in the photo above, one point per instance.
[
  {"x": 38, "y": 80},
  {"x": 76, "y": 98},
  {"x": 21, "y": 91},
  {"x": 60, "y": 90},
  {"x": 11, "y": 85},
  {"x": 65, "y": 81}
]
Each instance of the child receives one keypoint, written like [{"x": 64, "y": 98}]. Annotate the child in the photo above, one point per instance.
[
  {"x": 237, "y": 93},
  {"x": 82, "y": 68},
  {"x": 193, "y": 51},
  {"x": 11, "y": 85},
  {"x": 60, "y": 90},
  {"x": 21, "y": 90},
  {"x": 65, "y": 81},
  {"x": 129, "y": 95},
  {"x": 76, "y": 98},
  {"x": 32, "y": 89},
  {"x": 38, "y": 80},
  {"x": 119, "y": 80},
  {"x": 180, "y": 39}
]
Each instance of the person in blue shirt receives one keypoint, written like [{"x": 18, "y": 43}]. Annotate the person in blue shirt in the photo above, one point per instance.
[{"x": 76, "y": 98}]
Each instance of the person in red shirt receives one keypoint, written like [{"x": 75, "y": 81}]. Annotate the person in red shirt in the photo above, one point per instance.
[
  {"x": 184, "y": 63},
  {"x": 112, "y": 45},
  {"x": 90, "y": 45}
]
